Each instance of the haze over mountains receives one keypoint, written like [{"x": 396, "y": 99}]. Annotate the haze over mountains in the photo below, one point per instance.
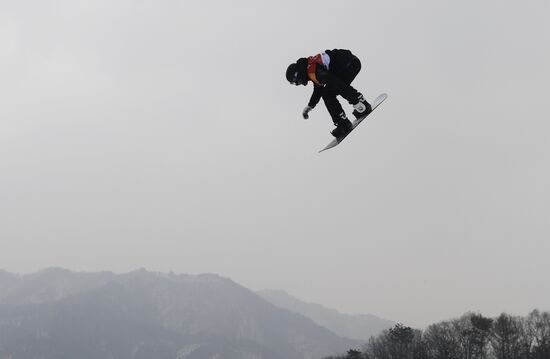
[
  {"x": 57, "y": 313},
  {"x": 360, "y": 327}
]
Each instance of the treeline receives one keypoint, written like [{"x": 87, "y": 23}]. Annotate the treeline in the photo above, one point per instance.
[{"x": 471, "y": 336}]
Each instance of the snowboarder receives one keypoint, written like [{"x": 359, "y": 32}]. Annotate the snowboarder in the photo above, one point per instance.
[{"x": 331, "y": 72}]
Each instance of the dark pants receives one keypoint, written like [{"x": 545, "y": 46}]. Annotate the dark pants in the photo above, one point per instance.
[{"x": 339, "y": 84}]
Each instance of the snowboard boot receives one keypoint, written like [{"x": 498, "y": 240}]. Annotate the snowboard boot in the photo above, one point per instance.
[
  {"x": 362, "y": 107},
  {"x": 343, "y": 126}
]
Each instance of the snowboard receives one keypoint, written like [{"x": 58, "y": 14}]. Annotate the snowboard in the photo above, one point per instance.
[{"x": 356, "y": 123}]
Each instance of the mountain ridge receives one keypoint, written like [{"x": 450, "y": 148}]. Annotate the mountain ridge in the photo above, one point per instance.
[
  {"x": 143, "y": 314},
  {"x": 358, "y": 326}
]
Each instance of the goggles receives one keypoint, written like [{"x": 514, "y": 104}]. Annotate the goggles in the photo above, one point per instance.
[{"x": 295, "y": 80}]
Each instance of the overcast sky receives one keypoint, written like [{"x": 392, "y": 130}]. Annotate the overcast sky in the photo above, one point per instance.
[{"x": 163, "y": 134}]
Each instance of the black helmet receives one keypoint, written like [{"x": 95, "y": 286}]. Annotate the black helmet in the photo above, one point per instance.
[
  {"x": 296, "y": 73},
  {"x": 292, "y": 73}
]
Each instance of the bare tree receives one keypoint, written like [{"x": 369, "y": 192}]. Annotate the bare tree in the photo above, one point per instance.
[
  {"x": 378, "y": 347},
  {"x": 478, "y": 336},
  {"x": 399, "y": 342},
  {"x": 508, "y": 338},
  {"x": 539, "y": 326},
  {"x": 471, "y": 336},
  {"x": 441, "y": 341}
]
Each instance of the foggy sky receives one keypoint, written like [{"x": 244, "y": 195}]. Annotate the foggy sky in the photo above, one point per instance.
[{"x": 164, "y": 135}]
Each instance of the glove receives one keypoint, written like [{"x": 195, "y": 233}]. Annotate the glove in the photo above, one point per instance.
[{"x": 305, "y": 113}]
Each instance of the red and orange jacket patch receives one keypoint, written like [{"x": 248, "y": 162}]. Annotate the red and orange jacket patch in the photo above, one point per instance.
[{"x": 312, "y": 62}]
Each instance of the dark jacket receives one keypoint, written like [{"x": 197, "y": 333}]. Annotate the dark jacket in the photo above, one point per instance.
[{"x": 336, "y": 77}]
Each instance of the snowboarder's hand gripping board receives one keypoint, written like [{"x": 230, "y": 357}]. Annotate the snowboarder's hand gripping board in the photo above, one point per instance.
[{"x": 337, "y": 140}]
